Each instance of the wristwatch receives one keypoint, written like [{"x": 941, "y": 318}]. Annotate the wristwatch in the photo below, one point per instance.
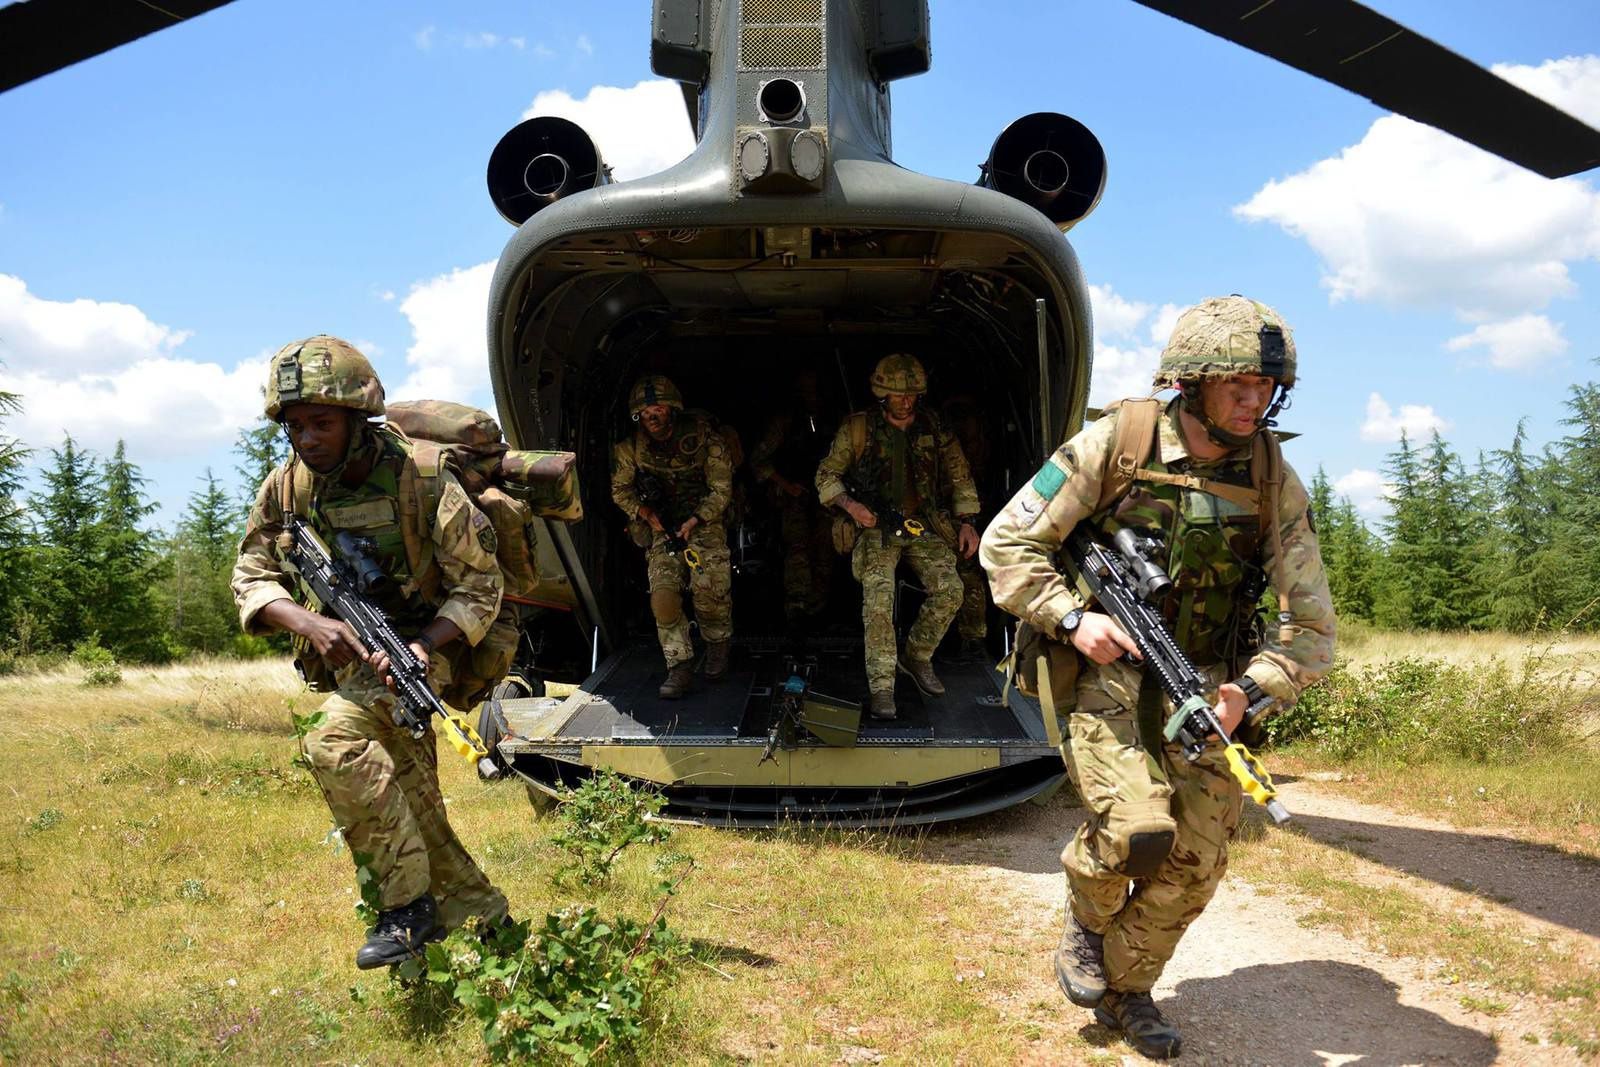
[{"x": 1069, "y": 623}]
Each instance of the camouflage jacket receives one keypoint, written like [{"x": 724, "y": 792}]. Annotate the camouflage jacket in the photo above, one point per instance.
[
  {"x": 1021, "y": 547},
  {"x": 936, "y": 468},
  {"x": 691, "y": 467},
  {"x": 444, "y": 562}
]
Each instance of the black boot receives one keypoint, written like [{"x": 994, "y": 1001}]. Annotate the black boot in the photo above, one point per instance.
[
  {"x": 678, "y": 681},
  {"x": 1141, "y": 1024},
  {"x": 400, "y": 934},
  {"x": 716, "y": 665},
  {"x": 1080, "y": 964}
]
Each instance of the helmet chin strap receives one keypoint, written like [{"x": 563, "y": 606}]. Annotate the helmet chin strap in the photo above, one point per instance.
[{"x": 1193, "y": 404}]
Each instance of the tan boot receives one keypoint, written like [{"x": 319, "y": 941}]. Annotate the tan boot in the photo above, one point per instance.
[
  {"x": 677, "y": 683},
  {"x": 882, "y": 706},
  {"x": 717, "y": 653},
  {"x": 920, "y": 671}
]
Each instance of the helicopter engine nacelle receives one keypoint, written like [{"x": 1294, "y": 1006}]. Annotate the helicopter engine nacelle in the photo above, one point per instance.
[
  {"x": 1051, "y": 162},
  {"x": 539, "y": 161}
]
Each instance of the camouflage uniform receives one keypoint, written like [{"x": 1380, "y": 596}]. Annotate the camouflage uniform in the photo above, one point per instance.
[
  {"x": 793, "y": 444},
  {"x": 380, "y": 784},
  {"x": 916, "y": 468},
  {"x": 1130, "y": 792},
  {"x": 966, "y": 420},
  {"x": 691, "y": 469}
]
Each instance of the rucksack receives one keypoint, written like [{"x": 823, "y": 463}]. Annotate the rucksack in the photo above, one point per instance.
[{"x": 512, "y": 487}]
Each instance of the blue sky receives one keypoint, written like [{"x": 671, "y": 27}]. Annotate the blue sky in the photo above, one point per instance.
[{"x": 174, "y": 210}]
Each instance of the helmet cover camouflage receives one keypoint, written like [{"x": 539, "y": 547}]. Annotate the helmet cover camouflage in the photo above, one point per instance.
[
  {"x": 900, "y": 374},
  {"x": 1224, "y": 336},
  {"x": 653, "y": 389},
  {"x": 322, "y": 370}
]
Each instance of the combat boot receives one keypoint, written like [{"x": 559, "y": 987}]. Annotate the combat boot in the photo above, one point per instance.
[
  {"x": 882, "y": 706},
  {"x": 920, "y": 671},
  {"x": 716, "y": 660},
  {"x": 677, "y": 683},
  {"x": 1141, "y": 1024},
  {"x": 1080, "y": 964},
  {"x": 400, "y": 934}
]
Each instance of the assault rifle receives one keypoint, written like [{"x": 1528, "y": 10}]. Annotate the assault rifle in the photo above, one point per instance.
[
  {"x": 892, "y": 524},
  {"x": 653, "y": 493},
  {"x": 345, "y": 584},
  {"x": 1125, "y": 583}
]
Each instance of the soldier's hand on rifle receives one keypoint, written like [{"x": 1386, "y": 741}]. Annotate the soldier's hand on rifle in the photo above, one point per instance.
[
  {"x": 648, "y": 514},
  {"x": 379, "y": 662},
  {"x": 1230, "y": 707},
  {"x": 333, "y": 639},
  {"x": 861, "y": 514},
  {"x": 967, "y": 540},
  {"x": 1100, "y": 638},
  {"x": 688, "y": 526}
]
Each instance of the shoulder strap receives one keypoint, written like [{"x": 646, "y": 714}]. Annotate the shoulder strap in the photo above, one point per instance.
[
  {"x": 1130, "y": 448},
  {"x": 294, "y": 487},
  {"x": 1266, "y": 474},
  {"x": 419, "y": 504},
  {"x": 857, "y": 422}
]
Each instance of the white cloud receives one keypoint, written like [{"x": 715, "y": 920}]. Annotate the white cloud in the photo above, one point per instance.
[
  {"x": 1416, "y": 217},
  {"x": 479, "y": 40},
  {"x": 640, "y": 130},
  {"x": 1115, "y": 316},
  {"x": 104, "y": 371},
  {"x": 519, "y": 43},
  {"x": 1166, "y": 318},
  {"x": 1366, "y": 489},
  {"x": 584, "y": 45},
  {"x": 1416, "y": 421},
  {"x": 1515, "y": 344},
  {"x": 448, "y": 356},
  {"x": 1121, "y": 372},
  {"x": 543, "y": 51},
  {"x": 423, "y": 38}
]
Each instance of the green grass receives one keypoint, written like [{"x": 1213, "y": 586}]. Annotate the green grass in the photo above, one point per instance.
[{"x": 169, "y": 893}]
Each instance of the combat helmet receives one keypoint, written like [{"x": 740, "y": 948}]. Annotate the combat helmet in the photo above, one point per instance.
[
  {"x": 900, "y": 373},
  {"x": 322, "y": 370},
  {"x": 1224, "y": 336},
  {"x": 653, "y": 389}
]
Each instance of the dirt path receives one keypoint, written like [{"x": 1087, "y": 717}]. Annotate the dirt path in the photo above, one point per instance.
[{"x": 1250, "y": 985}]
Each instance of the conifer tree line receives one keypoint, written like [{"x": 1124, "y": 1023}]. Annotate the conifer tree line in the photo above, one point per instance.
[
  {"x": 1510, "y": 543},
  {"x": 81, "y": 563}
]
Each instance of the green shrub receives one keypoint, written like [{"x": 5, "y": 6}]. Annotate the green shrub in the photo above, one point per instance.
[
  {"x": 602, "y": 818},
  {"x": 1415, "y": 710},
  {"x": 100, "y": 667}
]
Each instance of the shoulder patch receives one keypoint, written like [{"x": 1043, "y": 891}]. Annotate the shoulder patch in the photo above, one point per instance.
[{"x": 1048, "y": 482}]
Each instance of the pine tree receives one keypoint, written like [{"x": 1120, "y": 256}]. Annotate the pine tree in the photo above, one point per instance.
[
  {"x": 13, "y": 523},
  {"x": 64, "y": 582},
  {"x": 200, "y": 599},
  {"x": 260, "y": 449},
  {"x": 129, "y": 566}
]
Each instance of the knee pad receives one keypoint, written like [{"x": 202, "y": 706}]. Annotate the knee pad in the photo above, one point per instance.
[
  {"x": 667, "y": 606},
  {"x": 1135, "y": 838}
]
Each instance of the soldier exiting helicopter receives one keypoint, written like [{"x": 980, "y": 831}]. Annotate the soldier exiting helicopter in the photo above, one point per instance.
[
  {"x": 901, "y": 478},
  {"x": 786, "y": 459},
  {"x": 673, "y": 481}
]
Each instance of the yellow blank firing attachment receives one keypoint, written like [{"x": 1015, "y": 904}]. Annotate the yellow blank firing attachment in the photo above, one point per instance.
[
  {"x": 691, "y": 556},
  {"x": 463, "y": 738},
  {"x": 914, "y": 527},
  {"x": 1252, "y": 776}
]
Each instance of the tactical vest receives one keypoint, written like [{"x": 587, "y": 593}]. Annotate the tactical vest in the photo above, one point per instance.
[
  {"x": 671, "y": 474},
  {"x": 872, "y": 442},
  {"x": 388, "y": 507},
  {"x": 1211, "y": 516}
]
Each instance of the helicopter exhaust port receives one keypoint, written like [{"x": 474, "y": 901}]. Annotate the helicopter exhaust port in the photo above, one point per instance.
[
  {"x": 1051, "y": 162},
  {"x": 781, "y": 100},
  {"x": 538, "y": 162}
]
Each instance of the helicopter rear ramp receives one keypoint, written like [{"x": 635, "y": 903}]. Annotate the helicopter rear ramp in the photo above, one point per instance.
[{"x": 974, "y": 750}]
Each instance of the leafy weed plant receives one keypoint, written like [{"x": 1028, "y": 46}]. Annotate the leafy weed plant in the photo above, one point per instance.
[{"x": 601, "y": 819}]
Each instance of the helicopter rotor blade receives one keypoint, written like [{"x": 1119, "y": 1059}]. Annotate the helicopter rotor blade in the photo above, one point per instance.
[
  {"x": 41, "y": 36},
  {"x": 1354, "y": 47}
]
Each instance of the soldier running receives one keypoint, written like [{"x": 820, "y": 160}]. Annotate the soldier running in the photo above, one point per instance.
[
  {"x": 673, "y": 481},
  {"x": 346, "y": 473},
  {"x": 907, "y": 466},
  {"x": 1203, "y": 470}
]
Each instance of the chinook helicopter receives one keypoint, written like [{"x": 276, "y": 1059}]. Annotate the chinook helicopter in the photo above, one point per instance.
[{"x": 790, "y": 239}]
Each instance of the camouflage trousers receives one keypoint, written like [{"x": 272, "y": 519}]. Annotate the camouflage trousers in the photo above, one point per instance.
[
  {"x": 1127, "y": 792},
  {"x": 710, "y": 587},
  {"x": 874, "y": 564},
  {"x": 972, "y": 623},
  {"x": 807, "y": 531},
  {"x": 382, "y": 787}
]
